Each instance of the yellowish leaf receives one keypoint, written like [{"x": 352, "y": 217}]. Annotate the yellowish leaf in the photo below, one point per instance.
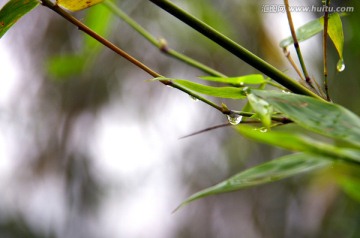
[{"x": 77, "y": 5}]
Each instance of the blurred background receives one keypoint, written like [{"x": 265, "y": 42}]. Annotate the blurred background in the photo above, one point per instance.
[{"x": 90, "y": 148}]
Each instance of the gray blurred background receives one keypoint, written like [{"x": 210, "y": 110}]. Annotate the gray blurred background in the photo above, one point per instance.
[{"x": 95, "y": 152}]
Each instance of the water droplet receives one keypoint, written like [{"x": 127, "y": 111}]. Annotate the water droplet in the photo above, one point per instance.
[
  {"x": 285, "y": 91},
  {"x": 241, "y": 84},
  {"x": 194, "y": 98},
  {"x": 263, "y": 129},
  {"x": 234, "y": 119},
  {"x": 340, "y": 65},
  {"x": 245, "y": 91}
]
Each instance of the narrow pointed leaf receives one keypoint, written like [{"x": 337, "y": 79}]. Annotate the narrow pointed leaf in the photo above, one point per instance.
[
  {"x": 309, "y": 30},
  {"x": 13, "y": 11},
  {"x": 325, "y": 118},
  {"x": 247, "y": 79},
  {"x": 335, "y": 32},
  {"x": 274, "y": 170},
  {"x": 304, "y": 32},
  {"x": 221, "y": 92}
]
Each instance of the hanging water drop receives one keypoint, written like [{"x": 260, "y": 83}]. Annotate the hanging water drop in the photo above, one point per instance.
[
  {"x": 340, "y": 65},
  {"x": 234, "y": 119},
  {"x": 194, "y": 98}
]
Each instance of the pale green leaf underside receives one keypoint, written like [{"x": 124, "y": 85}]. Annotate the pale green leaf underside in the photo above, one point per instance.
[{"x": 325, "y": 118}]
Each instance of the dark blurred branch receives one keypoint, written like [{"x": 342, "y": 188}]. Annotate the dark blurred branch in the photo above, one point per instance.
[{"x": 235, "y": 48}]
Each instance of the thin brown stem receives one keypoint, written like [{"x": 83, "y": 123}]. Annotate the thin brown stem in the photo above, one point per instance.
[
  {"x": 325, "y": 32},
  {"x": 291, "y": 61},
  {"x": 87, "y": 30},
  {"x": 128, "y": 57},
  {"x": 297, "y": 46},
  {"x": 216, "y": 127}
]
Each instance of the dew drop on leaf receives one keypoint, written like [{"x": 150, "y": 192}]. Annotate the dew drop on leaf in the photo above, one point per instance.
[
  {"x": 340, "y": 65},
  {"x": 263, "y": 130},
  {"x": 234, "y": 119}
]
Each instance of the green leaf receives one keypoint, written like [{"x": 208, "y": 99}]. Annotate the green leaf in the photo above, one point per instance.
[
  {"x": 351, "y": 187},
  {"x": 297, "y": 142},
  {"x": 274, "y": 170},
  {"x": 98, "y": 18},
  {"x": 262, "y": 109},
  {"x": 312, "y": 28},
  {"x": 67, "y": 65},
  {"x": 221, "y": 92},
  {"x": 304, "y": 32},
  {"x": 13, "y": 11},
  {"x": 76, "y": 5},
  {"x": 335, "y": 32},
  {"x": 247, "y": 79},
  {"x": 325, "y": 118}
]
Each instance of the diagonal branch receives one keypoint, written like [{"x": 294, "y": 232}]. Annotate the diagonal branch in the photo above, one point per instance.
[
  {"x": 235, "y": 48},
  {"x": 161, "y": 44}
]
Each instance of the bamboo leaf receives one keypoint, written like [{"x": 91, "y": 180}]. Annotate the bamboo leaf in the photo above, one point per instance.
[
  {"x": 221, "y": 92},
  {"x": 327, "y": 119},
  {"x": 247, "y": 79},
  {"x": 336, "y": 34},
  {"x": 274, "y": 170},
  {"x": 297, "y": 142},
  {"x": 76, "y": 5},
  {"x": 312, "y": 28},
  {"x": 13, "y": 11},
  {"x": 304, "y": 32}
]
